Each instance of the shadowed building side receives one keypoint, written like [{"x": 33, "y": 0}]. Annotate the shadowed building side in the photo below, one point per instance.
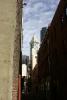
[{"x": 52, "y": 56}]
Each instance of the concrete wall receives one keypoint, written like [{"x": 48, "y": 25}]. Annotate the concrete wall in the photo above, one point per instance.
[{"x": 9, "y": 48}]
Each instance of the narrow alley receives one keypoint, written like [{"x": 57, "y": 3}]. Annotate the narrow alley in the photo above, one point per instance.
[
  {"x": 33, "y": 49},
  {"x": 46, "y": 67}
]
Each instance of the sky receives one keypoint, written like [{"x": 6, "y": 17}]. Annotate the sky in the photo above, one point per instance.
[{"x": 36, "y": 14}]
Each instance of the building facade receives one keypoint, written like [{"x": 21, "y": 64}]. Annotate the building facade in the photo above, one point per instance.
[
  {"x": 10, "y": 35},
  {"x": 34, "y": 46},
  {"x": 52, "y": 56},
  {"x": 25, "y": 59},
  {"x": 58, "y": 49},
  {"x": 42, "y": 33},
  {"x": 34, "y": 76}
]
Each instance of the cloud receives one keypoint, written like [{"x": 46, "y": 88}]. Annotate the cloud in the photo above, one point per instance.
[{"x": 37, "y": 14}]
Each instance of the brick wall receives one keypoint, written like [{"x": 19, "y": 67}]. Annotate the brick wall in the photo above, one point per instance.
[{"x": 17, "y": 49}]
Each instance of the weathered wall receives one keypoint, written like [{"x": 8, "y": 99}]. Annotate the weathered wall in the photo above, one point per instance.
[{"x": 9, "y": 49}]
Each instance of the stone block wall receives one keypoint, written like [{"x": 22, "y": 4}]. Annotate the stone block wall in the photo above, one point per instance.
[{"x": 10, "y": 34}]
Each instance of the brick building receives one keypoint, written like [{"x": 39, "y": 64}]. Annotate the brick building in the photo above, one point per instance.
[
  {"x": 10, "y": 35},
  {"x": 52, "y": 55},
  {"x": 58, "y": 48}
]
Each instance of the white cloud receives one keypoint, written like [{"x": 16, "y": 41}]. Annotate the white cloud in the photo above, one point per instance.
[{"x": 37, "y": 14}]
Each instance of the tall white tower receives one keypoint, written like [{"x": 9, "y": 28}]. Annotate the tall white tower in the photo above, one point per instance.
[{"x": 34, "y": 47}]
